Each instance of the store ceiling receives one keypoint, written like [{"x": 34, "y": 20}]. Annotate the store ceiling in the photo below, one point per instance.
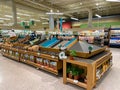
[{"x": 36, "y": 9}]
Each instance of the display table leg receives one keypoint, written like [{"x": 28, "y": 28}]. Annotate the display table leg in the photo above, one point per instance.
[
  {"x": 90, "y": 77},
  {"x": 64, "y": 72}
]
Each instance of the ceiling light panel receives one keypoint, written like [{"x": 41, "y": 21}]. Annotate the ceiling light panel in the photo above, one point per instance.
[{"x": 113, "y": 0}]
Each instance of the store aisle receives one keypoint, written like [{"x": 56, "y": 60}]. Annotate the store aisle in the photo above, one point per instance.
[{"x": 18, "y": 76}]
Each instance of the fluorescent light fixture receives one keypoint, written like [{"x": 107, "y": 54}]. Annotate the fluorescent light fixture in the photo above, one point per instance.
[
  {"x": 18, "y": 17},
  {"x": 1, "y": 18},
  {"x": 44, "y": 18},
  {"x": 54, "y": 13},
  {"x": 74, "y": 18},
  {"x": 25, "y": 21},
  {"x": 113, "y": 0},
  {"x": 45, "y": 23},
  {"x": 97, "y": 15},
  {"x": 23, "y": 14},
  {"x": 9, "y": 16},
  {"x": 35, "y": 20},
  {"x": 7, "y": 24},
  {"x": 5, "y": 19}
]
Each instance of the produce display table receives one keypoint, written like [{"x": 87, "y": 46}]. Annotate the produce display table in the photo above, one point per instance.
[
  {"x": 86, "y": 68},
  {"x": 37, "y": 59},
  {"x": 92, "y": 69}
]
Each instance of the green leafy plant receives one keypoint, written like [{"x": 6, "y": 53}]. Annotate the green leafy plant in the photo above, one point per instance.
[
  {"x": 69, "y": 69},
  {"x": 90, "y": 48},
  {"x": 73, "y": 53},
  {"x": 77, "y": 71}
]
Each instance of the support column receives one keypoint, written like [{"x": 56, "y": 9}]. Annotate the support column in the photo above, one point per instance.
[
  {"x": 51, "y": 22},
  {"x": 58, "y": 23},
  {"x": 90, "y": 18},
  {"x": 14, "y": 12}
]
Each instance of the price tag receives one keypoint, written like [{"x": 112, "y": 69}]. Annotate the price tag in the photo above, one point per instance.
[
  {"x": 53, "y": 56},
  {"x": 75, "y": 81},
  {"x": 42, "y": 66},
  {"x": 38, "y": 53}
]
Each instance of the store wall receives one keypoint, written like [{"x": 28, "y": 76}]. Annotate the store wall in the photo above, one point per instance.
[
  {"x": 114, "y": 21},
  {"x": 67, "y": 25}
]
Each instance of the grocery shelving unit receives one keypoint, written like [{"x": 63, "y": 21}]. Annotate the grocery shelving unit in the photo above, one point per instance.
[
  {"x": 107, "y": 35},
  {"x": 92, "y": 67},
  {"x": 115, "y": 37}
]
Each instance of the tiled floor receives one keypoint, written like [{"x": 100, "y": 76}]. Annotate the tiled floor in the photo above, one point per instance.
[{"x": 18, "y": 76}]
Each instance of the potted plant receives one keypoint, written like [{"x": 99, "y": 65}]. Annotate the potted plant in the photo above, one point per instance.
[
  {"x": 69, "y": 72},
  {"x": 76, "y": 74},
  {"x": 72, "y": 54},
  {"x": 70, "y": 75},
  {"x": 90, "y": 48}
]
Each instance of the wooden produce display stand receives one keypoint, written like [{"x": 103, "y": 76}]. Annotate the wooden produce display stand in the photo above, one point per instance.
[
  {"x": 86, "y": 68},
  {"x": 41, "y": 60},
  {"x": 94, "y": 68},
  {"x": 10, "y": 53},
  {"x": 45, "y": 58}
]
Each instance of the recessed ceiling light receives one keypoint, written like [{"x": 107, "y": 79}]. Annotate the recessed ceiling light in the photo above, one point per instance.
[
  {"x": 58, "y": 11},
  {"x": 51, "y": 10},
  {"x": 80, "y": 3},
  {"x": 55, "y": 13},
  {"x": 97, "y": 4}
]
